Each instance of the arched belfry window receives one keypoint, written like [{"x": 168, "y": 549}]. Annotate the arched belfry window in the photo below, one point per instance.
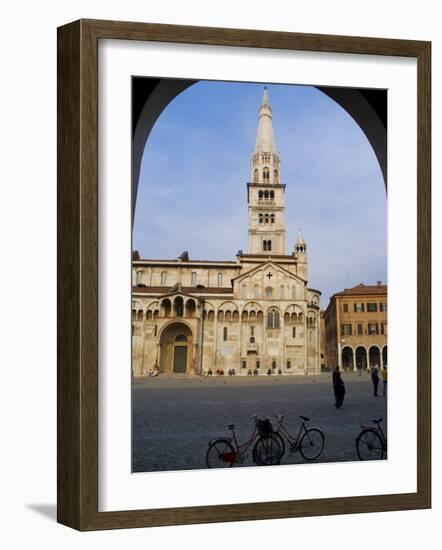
[
  {"x": 266, "y": 174},
  {"x": 273, "y": 319},
  {"x": 275, "y": 176},
  {"x": 255, "y": 175},
  {"x": 272, "y": 218},
  {"x": 261, "y": 195},
  {"x": 266, "y": 218},
  {"x": 261, "y": 218},
  {"x": 266, "y": 246},
  {"x": 272, "y": 194}
]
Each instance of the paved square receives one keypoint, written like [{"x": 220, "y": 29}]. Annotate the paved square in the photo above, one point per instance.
[{"x": 175, "y": 418}]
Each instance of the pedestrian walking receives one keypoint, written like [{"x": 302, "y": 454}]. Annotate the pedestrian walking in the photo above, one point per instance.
[
  {"x": 375, "y": 380},
  {"x": 384, "y": 376},
  {"x": 338, "y": 388}
]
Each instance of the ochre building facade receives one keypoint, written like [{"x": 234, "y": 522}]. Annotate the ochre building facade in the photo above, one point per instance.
[
  {"x": 356, "y": 328},
  {"x": 253, "y": 314}
]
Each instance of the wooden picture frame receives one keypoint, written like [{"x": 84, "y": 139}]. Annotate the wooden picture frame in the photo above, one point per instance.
[{"x": 78, "y": 274}]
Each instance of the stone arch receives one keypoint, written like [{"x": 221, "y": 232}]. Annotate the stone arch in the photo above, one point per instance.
[
  {"x": 166, "y": 307},
  {"x": 374, "y": 356},
  {"x": 361, "y": 358},
  {"x": 347, "y": 358},
  {"x": 190, "y": 307},
  {"x": 176, "y": 348}
]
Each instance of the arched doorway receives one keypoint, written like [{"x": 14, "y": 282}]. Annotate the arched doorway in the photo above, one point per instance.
[
  {"x": 347, "y": 358},
  {"x": 374, "y": 357},
  {"x": 361, "y": 358},
  {"x": 384, "y": 356},
  {"x": 176, "y": 349}
]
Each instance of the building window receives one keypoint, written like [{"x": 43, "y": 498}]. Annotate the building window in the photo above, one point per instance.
[
  {"x": 372, "y": 328},
  {"x": 383, "y": 306},
  {"x": 252, "y": 339},
  {"x": 360, "y": 329},
  {"x": 273, "y": 319},
  {"x": 346, "y": 330},
  {"x": 372, "y": 307},
  {"x": 358, "y": 308},
  {"x": 155, "y": 330},
  {"x": 163, "y": 278},
  {"x": 275, "y": 176},
  {"x": 138, "y": 277},
  {"x": 255, "y": 175},
  {"x": 345, "y": 308},
  {"x": 272, "y": 218},
  {"x": 272, "y": 195},
  {"x": 266, "y": 174},
  {"x": 269, "y": 292},
  {"x": 220, "y": 279},
  {"x": 193, "y": 281},
  {"x": 261, "y": 195},
  {"x": 294, "y": 332},
  {"x": 261, "y": 218},
  {"x": 225, "y": 334},
  {"x": 289, "y": 366},
  {"x": 252, "y": 331},
  {"x": 384, "y": 328}
]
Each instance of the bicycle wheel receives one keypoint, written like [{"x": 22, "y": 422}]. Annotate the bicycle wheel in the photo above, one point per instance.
[
  {"x": 369, "y": 445},
  {"x": 267, "y": 451},
  {"x": 220, "y": 454},
  {"x": 311, "y": 444}
]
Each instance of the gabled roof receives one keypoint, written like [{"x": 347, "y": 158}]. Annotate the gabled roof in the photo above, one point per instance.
[{"x": 264, "y": 266}]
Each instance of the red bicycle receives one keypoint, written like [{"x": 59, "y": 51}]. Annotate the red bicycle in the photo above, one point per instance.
[{"x": 224, "y": 452}]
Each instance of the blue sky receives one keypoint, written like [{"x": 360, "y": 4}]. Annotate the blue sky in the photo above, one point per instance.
[{"x": 192, "y": 191}]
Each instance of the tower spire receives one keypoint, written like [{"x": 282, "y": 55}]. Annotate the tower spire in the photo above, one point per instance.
[
  {"x": 265, "y": 138},
  {"x": 266, "y": 193}
]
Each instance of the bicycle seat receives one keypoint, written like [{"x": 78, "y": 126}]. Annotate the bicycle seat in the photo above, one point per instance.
[
  {"x": 231, "y": 426},
  {"x": 378, "y": 421},
  {"x": 304, "y": 418}
]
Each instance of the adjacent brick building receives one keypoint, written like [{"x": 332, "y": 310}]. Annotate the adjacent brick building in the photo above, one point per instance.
[{"x": 356, "y": 327}]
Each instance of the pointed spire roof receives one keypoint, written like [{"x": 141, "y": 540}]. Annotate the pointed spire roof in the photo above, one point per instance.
[
  {"x": 265, "y": 139},
  {"x": 300, "y": 238}
]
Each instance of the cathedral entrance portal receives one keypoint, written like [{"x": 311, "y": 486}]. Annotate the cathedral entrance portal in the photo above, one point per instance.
[{"x": 176, "y": 343}]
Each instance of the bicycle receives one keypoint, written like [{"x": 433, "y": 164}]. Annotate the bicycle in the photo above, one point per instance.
[
  {"x": 225, "y": 452},
  {"x": 371, "y": 443},
  {"x": 309, "y": 441}
]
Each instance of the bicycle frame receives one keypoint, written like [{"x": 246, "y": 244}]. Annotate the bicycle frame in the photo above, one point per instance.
[{"x": 293, "y": 442}]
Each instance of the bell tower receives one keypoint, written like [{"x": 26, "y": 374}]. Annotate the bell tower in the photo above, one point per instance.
[{"x": 265, "y": 193}]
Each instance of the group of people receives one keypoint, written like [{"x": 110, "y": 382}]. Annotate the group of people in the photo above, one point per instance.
[
  {"x": 339, "y": 386},
  {"x": 220, "y": 372}
]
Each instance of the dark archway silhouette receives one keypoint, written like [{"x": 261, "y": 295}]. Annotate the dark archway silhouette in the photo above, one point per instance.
[{"x": 150, "y": 96}]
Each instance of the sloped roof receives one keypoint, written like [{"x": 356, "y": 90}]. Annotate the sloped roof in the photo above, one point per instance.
[{"x": 362, "y": 290}]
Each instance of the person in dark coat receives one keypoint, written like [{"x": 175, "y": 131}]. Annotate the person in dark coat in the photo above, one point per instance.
[
  {"x": 338, "y": 388},
  {"x": 375, "y": 380}
]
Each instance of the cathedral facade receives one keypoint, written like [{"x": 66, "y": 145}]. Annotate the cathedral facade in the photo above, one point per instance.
[{"x": 254, "y": 314}]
